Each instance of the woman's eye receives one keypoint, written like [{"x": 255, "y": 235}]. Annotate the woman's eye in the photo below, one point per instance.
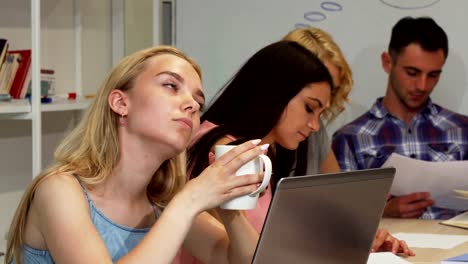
[
  {"x": 170, "y": 85},
  {"x": 308, "y": 109}
]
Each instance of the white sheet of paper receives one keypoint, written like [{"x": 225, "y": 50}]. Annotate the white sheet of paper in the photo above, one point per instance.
[
  {"x": 385, "y": 258},
  {"x": 443, "y": 180},
  {"x": 431, "y": 240}
]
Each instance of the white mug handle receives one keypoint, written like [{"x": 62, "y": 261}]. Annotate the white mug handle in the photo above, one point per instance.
[{"x": 266, "y": 175}]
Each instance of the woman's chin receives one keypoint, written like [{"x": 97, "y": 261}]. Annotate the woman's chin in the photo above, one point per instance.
[
  {"x": 290, "y": 145},
  {"x": 180, "y": 147}
]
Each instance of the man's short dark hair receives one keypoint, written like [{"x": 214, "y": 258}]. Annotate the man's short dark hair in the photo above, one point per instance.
[{"x": 422, "y": 30}]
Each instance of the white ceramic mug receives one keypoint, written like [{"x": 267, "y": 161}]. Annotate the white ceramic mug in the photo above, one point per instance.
[{"x": 257, "y": 165}]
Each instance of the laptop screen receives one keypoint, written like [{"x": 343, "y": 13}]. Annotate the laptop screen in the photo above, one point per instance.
[{"x": 328, "y": 218}]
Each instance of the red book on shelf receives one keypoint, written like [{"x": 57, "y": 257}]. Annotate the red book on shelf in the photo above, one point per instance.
[{"x": 23, "y": 75}]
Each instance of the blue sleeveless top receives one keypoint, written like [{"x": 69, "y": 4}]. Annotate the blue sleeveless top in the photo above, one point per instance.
[{"x": 119, "y": 239}]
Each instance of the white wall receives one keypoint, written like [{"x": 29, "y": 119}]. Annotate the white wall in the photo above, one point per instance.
[
  {"x": 138, "y": 25},
  {"x": 222, "y": 34},
  {"x": 96, "y": 43}
]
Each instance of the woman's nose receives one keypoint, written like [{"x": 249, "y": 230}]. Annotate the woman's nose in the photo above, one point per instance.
[
  {"x": 190, "y": 104},
  {"x": 314, "y": 124}
]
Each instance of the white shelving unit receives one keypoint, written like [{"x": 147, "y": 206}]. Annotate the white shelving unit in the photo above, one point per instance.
[
  {"x": 73, "y": 46},
  {"x": 23, "y": 109},
  {"x": 36, "y": 116},
  {"x": 72, "y": 37}
]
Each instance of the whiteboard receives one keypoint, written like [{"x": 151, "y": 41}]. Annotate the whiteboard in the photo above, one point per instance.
[{"x": 222, "y": 34}]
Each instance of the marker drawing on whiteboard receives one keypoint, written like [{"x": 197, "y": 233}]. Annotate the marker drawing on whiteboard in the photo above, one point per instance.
[
  {"x": 331, "y": 6},
  {"x": 405, "y": 4},
  {"x": 314, "y": 16},
  {"x": 318, "y": 16}
]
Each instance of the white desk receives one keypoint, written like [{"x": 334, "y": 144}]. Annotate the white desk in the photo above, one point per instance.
[{"x": 426, "y": 255}]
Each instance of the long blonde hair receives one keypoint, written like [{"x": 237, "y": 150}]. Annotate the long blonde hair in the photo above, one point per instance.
[
  {"x": 91, "y": 150},
  {"x": 322, "y": 44}
]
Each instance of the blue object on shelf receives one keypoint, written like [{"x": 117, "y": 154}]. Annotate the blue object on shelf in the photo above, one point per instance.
[{"x": 46, "y": 100}]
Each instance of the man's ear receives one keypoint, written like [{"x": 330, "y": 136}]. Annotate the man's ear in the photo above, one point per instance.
[
  {"x": 118, "y": 102},
  {"x": 386, "y": 61}
]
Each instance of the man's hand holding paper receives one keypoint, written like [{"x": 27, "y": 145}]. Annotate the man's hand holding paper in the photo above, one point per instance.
[
  {"x": 408, "y": 206},
  {"x": 444, "y": 181}
]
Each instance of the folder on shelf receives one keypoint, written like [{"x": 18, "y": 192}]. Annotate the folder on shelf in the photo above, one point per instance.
[
  {"x": 3, "y": 50},
  {"x": 6, "y": 72},
  {"x": 13, "y": 59},
  {"x": 22, "y": 78}
]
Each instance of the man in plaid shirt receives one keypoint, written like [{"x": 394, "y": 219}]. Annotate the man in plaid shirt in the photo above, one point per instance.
[{"x": 405, "y": 120}]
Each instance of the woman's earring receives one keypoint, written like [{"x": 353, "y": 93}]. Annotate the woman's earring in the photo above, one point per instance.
[{"x": 122, "y": 120}]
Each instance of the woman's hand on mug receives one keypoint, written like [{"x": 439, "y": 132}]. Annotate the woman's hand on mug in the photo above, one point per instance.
[{"x": 218, "y": 184}]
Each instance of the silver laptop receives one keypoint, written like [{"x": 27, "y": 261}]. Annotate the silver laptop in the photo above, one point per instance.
[{"x": 325, "y": 219}]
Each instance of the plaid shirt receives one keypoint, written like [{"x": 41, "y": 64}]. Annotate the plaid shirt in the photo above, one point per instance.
[{"x": 435, "y": 134}]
